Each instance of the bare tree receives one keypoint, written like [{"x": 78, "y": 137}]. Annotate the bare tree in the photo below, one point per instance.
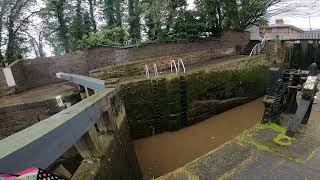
[
  {"x": 292, "y": 7},
  {"x": 18, "y": 17},
  {"x": 37, "y": 44},
  {"x": 3, "y": 9}
]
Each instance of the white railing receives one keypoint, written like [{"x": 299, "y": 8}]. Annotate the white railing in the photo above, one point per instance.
[
  {"x": 180, "y": 61},
  {"x": 294, "y": 36},
  {"x": 146, "y": 68},
  {"x": 155, "y": 68},
  {"x": 43, "y": 143},
  {"x": 173, "y": 63},
  {"x": 177, "y": 68},
  {"x": 257, "y": 49}
]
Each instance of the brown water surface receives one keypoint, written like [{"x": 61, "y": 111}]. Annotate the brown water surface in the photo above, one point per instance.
[{"x": 166, "y": 152}]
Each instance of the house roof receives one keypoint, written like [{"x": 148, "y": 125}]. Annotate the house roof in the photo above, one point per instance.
[{"x": 284, "y": 26}]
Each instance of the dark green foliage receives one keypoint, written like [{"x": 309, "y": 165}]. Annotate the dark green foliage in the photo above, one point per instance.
[
  {"x": 106, "y": 37},
  {"x": 181, "y": 30},
  {"x": 66, "y": 23},
  {"x": 233, "y": 14},
  {"x": 135, "y": 11},
  {"x": 80, "y": 27},
  {"x": 112, "y": 10}
]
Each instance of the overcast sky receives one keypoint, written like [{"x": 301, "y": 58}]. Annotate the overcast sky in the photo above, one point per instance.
[{"x": 301, "y": 20}]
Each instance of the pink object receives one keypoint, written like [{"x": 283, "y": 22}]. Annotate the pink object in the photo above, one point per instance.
[
  {"x": 7, "y": 177},
  {"x": 24, "y": 172},
  {"x": 30, "y": 170}
]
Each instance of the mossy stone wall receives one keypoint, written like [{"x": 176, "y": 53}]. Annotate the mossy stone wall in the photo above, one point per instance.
[
  {"x": 155, "y": 106},
  {"x": 302, "y": 55}
]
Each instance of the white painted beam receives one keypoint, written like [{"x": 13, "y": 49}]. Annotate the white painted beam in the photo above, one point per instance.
[{"x": 41, "y": 144}]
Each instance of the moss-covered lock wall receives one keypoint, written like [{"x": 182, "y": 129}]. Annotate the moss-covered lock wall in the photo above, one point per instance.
[
  {"x": 303, "y": 54},
  {"x": 167, "y": 104}
]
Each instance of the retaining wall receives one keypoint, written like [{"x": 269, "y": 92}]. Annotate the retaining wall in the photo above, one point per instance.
[
  {"x": 4, "y": 89},
  {"x": 173, "y": 102},
  {"x": 98, "y": 57},
  {"x": 39, "y": 72},
  {"x": 303, "y": 54},
  {"x": 16, "y": 117},
  {"x": 119, "y": 160},
  {"x": 163, "y": 63},
  {"x": 33, "y": 73}
]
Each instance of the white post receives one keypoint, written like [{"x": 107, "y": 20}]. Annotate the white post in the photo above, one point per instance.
[
  {"x": 184, "y": 68},
  {"x": 9, "y": 77},
  {"x": 156, "y": 74},
  {"x": 146, "y": 68},
  {"x": 172, "y": 62}
]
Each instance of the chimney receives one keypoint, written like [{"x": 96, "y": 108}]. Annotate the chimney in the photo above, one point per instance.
[{"x": 279, "y": 22}]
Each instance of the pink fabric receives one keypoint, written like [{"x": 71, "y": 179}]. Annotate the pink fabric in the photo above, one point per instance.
[
  {"x": 30, "y": 170},
  {"x": 10, "y": 177},
  {"x": 7, "y": 177}
]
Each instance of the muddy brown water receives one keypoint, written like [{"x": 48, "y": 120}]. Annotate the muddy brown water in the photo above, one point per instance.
[{"x": 163, "y": 153}]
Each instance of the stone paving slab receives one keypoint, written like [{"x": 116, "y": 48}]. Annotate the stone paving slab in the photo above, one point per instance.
[{"x": 39, "y": 94}]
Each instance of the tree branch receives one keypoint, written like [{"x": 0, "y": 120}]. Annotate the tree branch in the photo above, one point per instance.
[{"x": 24, "y": 21}]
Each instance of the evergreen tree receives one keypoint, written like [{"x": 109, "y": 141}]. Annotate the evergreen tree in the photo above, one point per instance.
[
  {"x": 135, "y": 9},
  {"x": 92, "y": 4},
  {"x": 57, "y": 25},
  {"x": 112, "y": 10},
  {"x": 154, "y": 14}
]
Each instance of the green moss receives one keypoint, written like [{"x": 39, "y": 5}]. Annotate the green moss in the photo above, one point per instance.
[
  {"x": 148, "y": 101},
  {"x": 247, "y": 138},
  {"x": 117, "y": 72},
  {"x": 282, "y": 139}
]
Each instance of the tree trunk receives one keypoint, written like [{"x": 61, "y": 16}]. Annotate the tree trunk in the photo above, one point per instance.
[
  {"x": 40, "y": 45},
  {"x": 118, "y": 13},
  {"x": 109, "y": 12},
  {"x": 62, "y": 26},
  {"x": 134, "y": 21},
  {"x": 11, "y": 39},
  {"x": 2, "y": 10},
  {"x": 93, "y": 21}
]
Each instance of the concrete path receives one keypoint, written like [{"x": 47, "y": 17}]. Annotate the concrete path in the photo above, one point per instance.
[{"x": 39, "y": 94}]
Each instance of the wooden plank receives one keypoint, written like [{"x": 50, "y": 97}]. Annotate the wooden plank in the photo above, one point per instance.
[
  {"x": 41, "y": 144},
  {"x": 91, "y": 83}
]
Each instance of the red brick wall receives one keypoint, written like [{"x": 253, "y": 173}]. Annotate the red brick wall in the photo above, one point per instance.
[
  {"x": 3, "y": 81},
  {"x": 42, "y": 71},
  {"x": 103, "y": 56},
  {"x": 163, "y": 63}
]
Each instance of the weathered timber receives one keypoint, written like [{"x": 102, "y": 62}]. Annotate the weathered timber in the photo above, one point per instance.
[{"x": 41, "y": 144}]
